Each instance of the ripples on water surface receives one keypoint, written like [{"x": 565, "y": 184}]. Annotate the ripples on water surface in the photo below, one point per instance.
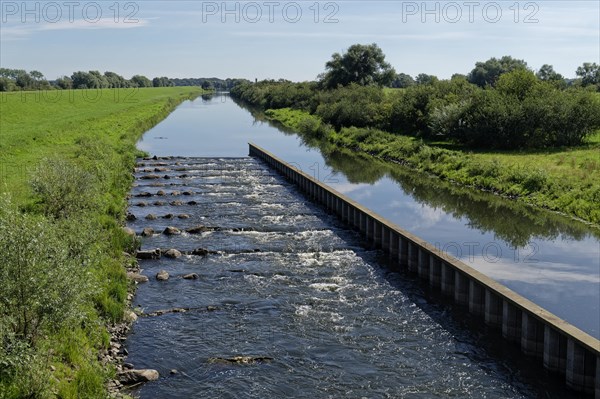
[
  {"x": 547, "y": 258},
  {"x": 290, "y": 283}
]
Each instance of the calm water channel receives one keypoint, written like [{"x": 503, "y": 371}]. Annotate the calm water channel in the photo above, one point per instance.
[{"x": 290, "y": 283}]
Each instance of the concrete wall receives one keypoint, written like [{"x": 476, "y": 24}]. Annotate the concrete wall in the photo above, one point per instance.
[{"x": 561, "y": 347}]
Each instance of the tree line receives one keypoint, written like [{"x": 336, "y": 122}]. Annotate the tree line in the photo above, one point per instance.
[
  {"x": 20, "y": 79},
  {"x": 501, "y": 103}
]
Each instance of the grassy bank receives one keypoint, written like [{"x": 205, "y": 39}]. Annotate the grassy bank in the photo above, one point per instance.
[
  {"x": 66, "y": 160},
  {"x": 565, "y": 180}
]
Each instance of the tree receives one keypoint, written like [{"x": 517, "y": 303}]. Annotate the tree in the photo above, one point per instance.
[
  {"x": 162, "y": 82},
  {"x": 86, "y": 80},
  {"x": 24, "y": 80},
  {"x": 589, "y": 73},
  {"x": 487, "y": 73},
  {"x": 115, "y": 81},
  {"x": 403, "y": 81},
  {"x": 547, "y": 73},
  {"x": 206, "y": 85},
  {"x": 458, "y": 76},
  {"x": 424, "y": 79},
  {"x": 64, "y": 82},
  {"x": 518, "y": 83},
  {"x": 141, "y": 81},
  {"x": 361, "y": 64},
  {"x": 7, "y": 84}
]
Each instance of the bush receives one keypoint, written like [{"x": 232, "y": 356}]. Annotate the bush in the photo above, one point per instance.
[
  {"x": 63, "y": 189},
  {"x": 42, "y": 284},
  {"x": 353, "y": 105}
]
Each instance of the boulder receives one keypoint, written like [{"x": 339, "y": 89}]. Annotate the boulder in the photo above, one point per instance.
[
  {"x": 176, "y": 203},
  {"x": 128, "y": 231},
  {"x": 130, "y": 217},
  {"x": 197, "y": 229},
  {"x": 150, "y": 177},
  {"x": 200, "y": 252},
  {"x": 159, "y": 203},
  {"x": 183, "y": 216},
  {"x": 138, "y": 278},
  {"x": 130, "y": 316},
  {"x": 150, "y": 217},
  {"x": 148, "y": 232},
  {"x": 162, "y": 275},
  {"x": 171, "y": 231},
  {"x": 176, "y": 193},
  {"x": 192, "y": 203},
  {"x": 144, "y": 194},
  {"x": 191, "y": 276},
  {"x": 150, "y": 254},
  {"x": 168, "y": 216},
  {"x": 160, "y": 192},
  {"x": 172, "y": 253}
]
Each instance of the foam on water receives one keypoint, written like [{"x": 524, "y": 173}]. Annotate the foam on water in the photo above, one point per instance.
[{"x": 335, "y": 322}]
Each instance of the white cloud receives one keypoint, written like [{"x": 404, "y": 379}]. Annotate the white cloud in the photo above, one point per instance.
[{"x": 21, "y": 32}]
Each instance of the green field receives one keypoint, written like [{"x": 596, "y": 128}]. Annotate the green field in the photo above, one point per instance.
[
  {"x": 65, "y": 170},
  {"x": 35, "y": 125},
  {"x": 565, "y": 180}
]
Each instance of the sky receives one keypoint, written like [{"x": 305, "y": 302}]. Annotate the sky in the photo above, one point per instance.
[{"x": 291, "y": 39}]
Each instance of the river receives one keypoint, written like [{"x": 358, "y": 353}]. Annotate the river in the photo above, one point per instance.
[
  {"x": 547, "y": 258},
  {"x": 290, "y": 284}
]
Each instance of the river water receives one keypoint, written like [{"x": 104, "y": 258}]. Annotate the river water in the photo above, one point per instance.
[
  {"x": 289, "y": 284},
  {"x": 549, "y": 259}
]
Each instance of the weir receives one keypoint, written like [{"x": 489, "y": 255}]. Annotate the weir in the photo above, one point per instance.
[{"x": 560, "y": 347}]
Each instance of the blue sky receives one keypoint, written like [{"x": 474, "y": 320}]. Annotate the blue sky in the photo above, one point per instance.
[{"x": 284, "y": 39}]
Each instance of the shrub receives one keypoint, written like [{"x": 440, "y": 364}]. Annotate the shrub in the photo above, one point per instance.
[
  {"x": 62, "y": 188},
  {"x": 42, "y": 284}
]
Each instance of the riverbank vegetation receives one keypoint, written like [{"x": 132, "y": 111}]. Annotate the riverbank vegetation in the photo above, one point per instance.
[
  {"x": 500, "y": 128},
  {"x": 65, "y": 173},
  {"x": 21, "y": 80}
]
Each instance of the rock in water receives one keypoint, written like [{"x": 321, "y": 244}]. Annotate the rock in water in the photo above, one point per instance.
[
  {"x": 138, "y": 278},
  {"x": 152, "y": 254},
  {"x": 130, "y": 316},
  {"x": 150, "y": 177},
  {"x": 197, "y": 230},
  {"x": 173, "y": 253},
  {"x": 172, "y": 231},
  {"x": 200, "y": 252},
  {"x": 148, "y": 232},
  {"x": 162, "y": 275},
  {"x": 191, "y": 276}
]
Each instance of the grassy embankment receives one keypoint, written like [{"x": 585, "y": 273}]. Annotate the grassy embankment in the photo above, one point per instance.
[
  {"x": 566, "y": 180},
  {"x": 65, "y": 161}
]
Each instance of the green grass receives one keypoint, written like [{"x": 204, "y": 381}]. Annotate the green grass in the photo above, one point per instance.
[
  {"x": 566, "y": 180},
  {"x": 96, "y": 136},
  {"x": 34, "y": 126}
]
